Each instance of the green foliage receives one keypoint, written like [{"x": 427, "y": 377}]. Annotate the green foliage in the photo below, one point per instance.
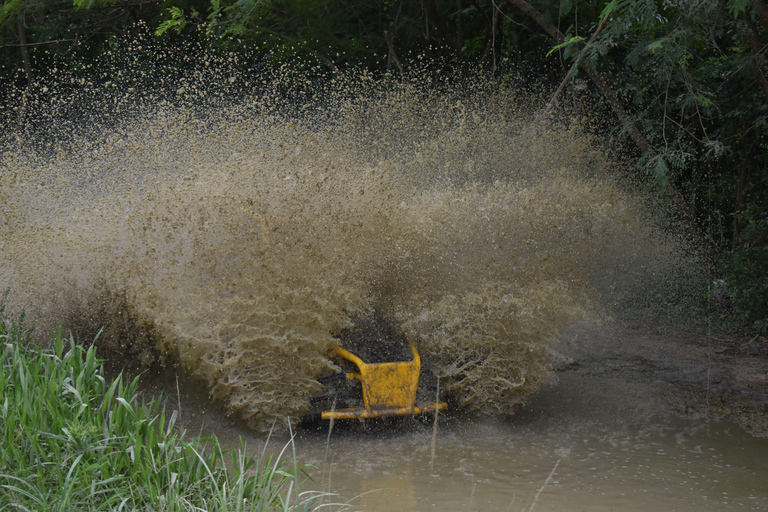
[
  {"x": 565, "y": 7},
  {"x": 736, "y": 7},
  {"x": 570, "y": 41},
  {"x": 88, "y": 4},
  {"x": 746, "y": 271},
  {"x": 691, "y": 75},
  {"x": 657, "y": 168},
  {"x": 72, "y": 440},
  {"x": 9, "y": 10},
  {"x": 175, "y": 24}
]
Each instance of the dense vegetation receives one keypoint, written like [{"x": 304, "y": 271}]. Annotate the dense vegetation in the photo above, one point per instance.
[
  {"x": 680, "y": 85},
  {"x": 72, "y": 440}
]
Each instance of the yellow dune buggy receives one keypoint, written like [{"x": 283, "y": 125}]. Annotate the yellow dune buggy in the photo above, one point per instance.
[{"x": 386, "y": 385}]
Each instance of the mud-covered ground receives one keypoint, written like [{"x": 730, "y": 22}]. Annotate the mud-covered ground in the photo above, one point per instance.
[
  {"x": 624, "y": 373},
  {"x": 640, "y": 372},
  {"x": 629, "y": 422}
]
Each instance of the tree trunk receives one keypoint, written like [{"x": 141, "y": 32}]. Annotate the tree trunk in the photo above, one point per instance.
[
  {"x": 753, "y": 41},
  {"x": 742, "y": 177},
  {"x": 761, "y": 9},
  {"x": 23, "y": 48}
]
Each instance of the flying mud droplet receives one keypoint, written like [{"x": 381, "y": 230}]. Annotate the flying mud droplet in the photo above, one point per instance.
[{"x": 239, "y": 232}]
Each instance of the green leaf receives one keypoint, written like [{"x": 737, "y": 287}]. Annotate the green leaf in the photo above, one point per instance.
[
  {"x": 565, "y": 7},
  {"x": 9, "y": 11},
  {"x": 703, "y": 101},
  {"x": 87, "y": 4},
  {"x": 569, "y": 42},
  {"x": 659, "y": 171},
  {"x": 125, "y": 404},
  {"x": 609, "y": 8},
  {"x": 655, "y": 45},
  {"x": 215, "y": 9},
  {"x": 176, "y": 23},
  {"x": 737, "y": 7}
]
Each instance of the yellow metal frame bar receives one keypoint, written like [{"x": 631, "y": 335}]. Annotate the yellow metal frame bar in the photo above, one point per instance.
[
  {"x": 389, "y": 389},
  {"x": 350, "y": 414}
]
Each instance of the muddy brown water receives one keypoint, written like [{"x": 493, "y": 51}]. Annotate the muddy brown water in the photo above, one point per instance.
[
  {"x": 609, "y": 432},
  {"x": 562, "y": 464},
  {"x": 505, "y": 466}
]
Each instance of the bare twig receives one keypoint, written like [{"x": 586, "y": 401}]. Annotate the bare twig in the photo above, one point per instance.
[
  {"x": 392, "y": 52},
  {"x": 178, "y": 398},
  {"x": 53, "y": 41},
  {"x": 546, "y": 483},
  {"x": 434, "y": 428}
]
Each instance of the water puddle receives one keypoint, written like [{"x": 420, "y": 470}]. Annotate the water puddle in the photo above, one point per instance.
[
  {"x": 546, "y": 458},
  {"x": 479, "y": 465}
]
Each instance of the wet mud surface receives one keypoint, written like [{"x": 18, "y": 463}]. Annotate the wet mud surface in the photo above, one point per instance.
[
  {"x": 629, "y": 422},
  {"x": 657, "y": 372},
  {"x": 630, "y": 373}
]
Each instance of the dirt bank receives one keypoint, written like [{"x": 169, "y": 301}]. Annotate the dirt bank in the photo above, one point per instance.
[{"x": 637, "y": 373}]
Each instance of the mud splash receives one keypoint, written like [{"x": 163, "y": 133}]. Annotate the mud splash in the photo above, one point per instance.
[{"x": 239, "y": 237}]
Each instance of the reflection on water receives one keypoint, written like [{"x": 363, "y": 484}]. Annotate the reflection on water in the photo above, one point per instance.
[
  {"x": 489, "y": 465},
  {"x": 502, "y": 466}
]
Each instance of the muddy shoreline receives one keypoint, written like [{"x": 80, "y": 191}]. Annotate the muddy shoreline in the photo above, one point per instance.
[
  {"x": 631, "y": 374},
  {"x": 628, "y": 422},
  {"x": 641, "y": 372}
]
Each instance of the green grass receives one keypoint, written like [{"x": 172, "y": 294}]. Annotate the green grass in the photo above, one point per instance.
[{"x": 72, "y": 440}]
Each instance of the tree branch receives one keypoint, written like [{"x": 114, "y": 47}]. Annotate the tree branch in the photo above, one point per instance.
[
  {"x": 28, "y": 45},
  {"x": 536, "y": 16},
  {"x": 567, "y": 78},
  {"x": 682, "y": 207},
  {"x": 392, "y": 53}
]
